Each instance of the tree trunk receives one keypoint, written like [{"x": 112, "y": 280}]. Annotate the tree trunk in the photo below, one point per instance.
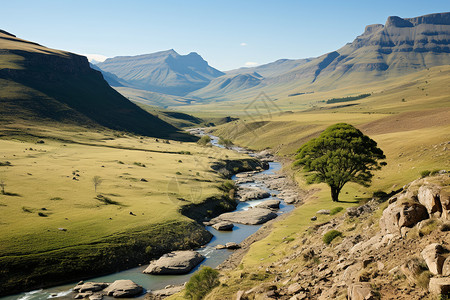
[{"x": 335, "y": 194}]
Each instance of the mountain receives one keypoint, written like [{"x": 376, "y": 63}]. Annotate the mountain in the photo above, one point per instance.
[
  {"x": 164, "y": 72},
  {"x": 42, "y": 84},
  {"x": 272, "y": 69},
  {"x": 228, "y": 84},
  {"x": 400, "y": 47}
]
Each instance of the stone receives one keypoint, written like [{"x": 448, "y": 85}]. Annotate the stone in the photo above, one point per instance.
[
  {"x": 83, "y": 295},
  {"x": 232, "y": 245},
  {"x": 398, "y": 215},
  {"x": 360, "y": 291},
  {"x": 173, "y": 263},
  {"x": 252, "y": 216},
  {"x": 220, "y": 247},
  {"x": 223, "y": 226},
  {"x": 123, "y": 288},
  {"x": 433, "y": 256},
  {"x": 168, "y": 291},
  {"x": 252, "y": 193},
  {"x": 440, "y": 286},
  {"x": 429, "y": 196},
  {"x": 269, "y": 204},
  {"x": 90, "y": 287},
  {"x": 323, "y": 212},
  {"x": 96, "y": 296},
  {"x": 294, "y": 288},
  {"x": 314, "y": 218},
  {"x": 239, "y": 295},
  {"x": 446, "y": 267}
]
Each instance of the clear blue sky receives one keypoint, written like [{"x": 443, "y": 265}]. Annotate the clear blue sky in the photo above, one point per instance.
[{"x": 228, "y": 34}]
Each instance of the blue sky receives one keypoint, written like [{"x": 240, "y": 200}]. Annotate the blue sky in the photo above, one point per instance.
[{"x": 228, "y": 34}]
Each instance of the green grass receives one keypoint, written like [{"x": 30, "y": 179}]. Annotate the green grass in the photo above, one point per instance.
[{"x": 125, "y": 213}]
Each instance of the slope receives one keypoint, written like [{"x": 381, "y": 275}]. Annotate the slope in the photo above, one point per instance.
[{"x": 39, "y": 83}]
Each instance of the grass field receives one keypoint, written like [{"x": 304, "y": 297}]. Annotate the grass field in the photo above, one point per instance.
[{"x": 50, "y": 207}]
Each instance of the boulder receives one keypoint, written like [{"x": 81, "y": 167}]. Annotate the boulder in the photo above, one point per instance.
[
  {"x": 123, "y": 289},
  {"x": 224, "y": 226},
  {"x": 270, "y": 204},
  {"x": 173, "y": 263},
  {"x": 220, "y": 247},
  {"x": 429, "y": 196},
  {"x": 166, "y": 292},
  {"x": 252, "y": 193},
  {"x": 323, "y": 212},
  {"x": 361, "y": 291},
  {"x": 252, "y": 216},
  {"x": 402, "y": 214},
  {"x": 433, "y": 256},
  {"x": 445, "y": 202},
  {"x": 96, "y": 296},
  {"x": 440, "y": 286},
  {"x": 294, "y": 288},
  {"x": 83, "y": 295},
  {"x": 90, "y": 287},
  {"x": 446, "y": 267},
  {"x": 232, "y": 245}
]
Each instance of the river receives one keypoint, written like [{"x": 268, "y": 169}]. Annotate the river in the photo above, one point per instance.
[{"x": 213, "y": 257}]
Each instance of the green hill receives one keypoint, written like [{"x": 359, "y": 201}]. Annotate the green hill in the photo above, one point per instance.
[{"x": 39, "y": 83}]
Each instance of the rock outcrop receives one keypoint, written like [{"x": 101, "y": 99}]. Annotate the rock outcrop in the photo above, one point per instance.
[
  {"x": 251, "y": 216},
  {"x": 173, "y": 263},
  {"x": 433, "y": 255},
  {"x": 123, "y": 289}
]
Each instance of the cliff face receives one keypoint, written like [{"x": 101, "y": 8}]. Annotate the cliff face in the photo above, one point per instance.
[{"x": 35, "y": 75}]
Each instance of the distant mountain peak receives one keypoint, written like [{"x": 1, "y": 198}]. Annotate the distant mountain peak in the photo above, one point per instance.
[{"x": 398, "y": 22}]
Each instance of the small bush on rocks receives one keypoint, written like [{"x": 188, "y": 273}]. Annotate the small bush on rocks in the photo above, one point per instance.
[{"x": 331, "y": 235}]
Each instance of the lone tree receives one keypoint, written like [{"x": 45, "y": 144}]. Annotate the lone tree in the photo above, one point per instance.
[
  {"x": 339, "y": 155},
  {"x": 96, "y": 180}
]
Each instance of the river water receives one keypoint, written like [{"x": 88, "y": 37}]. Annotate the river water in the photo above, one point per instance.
[{"x": 213, "y": 257}]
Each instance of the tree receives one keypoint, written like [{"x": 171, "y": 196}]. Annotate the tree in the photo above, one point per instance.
[
  {"x": 96, "y": 180},
  {"x": 339, "y": 155}
]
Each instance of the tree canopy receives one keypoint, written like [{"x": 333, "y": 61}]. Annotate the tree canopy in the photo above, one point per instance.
[{"x": 340, "y": 154}]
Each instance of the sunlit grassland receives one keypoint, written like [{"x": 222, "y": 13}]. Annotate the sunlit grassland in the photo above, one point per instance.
[{"x": 146, "y": 181}]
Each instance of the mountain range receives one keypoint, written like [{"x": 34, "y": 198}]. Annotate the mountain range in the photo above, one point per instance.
[{"x": 399, "y": 47}]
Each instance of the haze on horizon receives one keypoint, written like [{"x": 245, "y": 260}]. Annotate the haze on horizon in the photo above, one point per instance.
[{"x": 228, "y": 35}]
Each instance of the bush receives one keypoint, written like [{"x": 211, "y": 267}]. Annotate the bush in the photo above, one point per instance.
[
  {"x": 425, "y": 173},
  {"x": 335, "y": 210},
  {"x": 225, "y": 142},
  {"x": 331, "y": 235},
  {"x": 201, "y": 283},
  {"x": 41, "y": 214},
  {"x": 204, "y": 140}
]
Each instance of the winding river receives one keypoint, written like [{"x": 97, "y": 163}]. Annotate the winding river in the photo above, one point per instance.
[{"x": 154, "y": 282}]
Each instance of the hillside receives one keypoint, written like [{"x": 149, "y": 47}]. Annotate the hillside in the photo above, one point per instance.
[
  {"x": 272, "y": 69},
  {"x": 228, "y": 85},
  {"x": 382, "y": 52},
  {"x": 42, "y": 84},
  {"x": 164, "y": 72}
]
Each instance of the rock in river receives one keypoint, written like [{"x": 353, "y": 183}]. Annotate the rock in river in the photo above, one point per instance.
[
  {"x": 173, "y": 263},
  {"x": 123, "y": 289},
  {"x": 224, "y": 226},
  {"x": 270, "y": 204},
  {"x": 252, "y": 193},
  {"x": 252, "y": 216}
]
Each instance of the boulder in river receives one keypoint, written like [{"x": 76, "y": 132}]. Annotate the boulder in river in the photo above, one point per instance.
[
  {"x": 123, "y": 289},
  {"x": 232, "y": 245},
  {"x": 173, "y": 263},
  {"x": 252, "y": 216},
  {"x": 252, "y": 193},
  {"x": 84, "y": 287},
  {"x": 270, "y": 204},
  {"x": 223, "y": 226}
]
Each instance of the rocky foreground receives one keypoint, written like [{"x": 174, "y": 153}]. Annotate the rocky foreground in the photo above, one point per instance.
[{"x": 388, "y": 248}]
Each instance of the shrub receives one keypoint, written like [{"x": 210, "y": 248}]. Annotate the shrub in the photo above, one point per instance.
[
  {"x": 26, "y": 209},
  {"x": 56, "y": 198},
  {"x": 201, "y": 283},
  {"x": 425, "y": 173},
  {"x": 335, "y": 210},
  {"x": 434, "y": 172},
  {"x": 225, "y": 142},
  {"x": 204, "y": 140},
  {"x": 178, "y": 173},
  {"x": 331, "y": 235},
  {"x": 380, "y": 194},
  {"x": 41, "y": 214}
]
